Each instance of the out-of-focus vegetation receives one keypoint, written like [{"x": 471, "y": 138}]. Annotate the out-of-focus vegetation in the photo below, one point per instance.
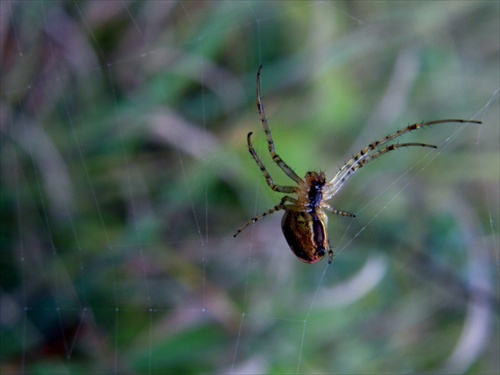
[{"x": 125, "y": 173}]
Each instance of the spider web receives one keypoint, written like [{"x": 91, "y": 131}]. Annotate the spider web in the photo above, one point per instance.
[{"x": 125, "y": 174}]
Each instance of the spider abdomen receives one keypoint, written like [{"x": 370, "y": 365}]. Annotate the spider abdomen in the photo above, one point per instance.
[{"x": 305, "y": 232}]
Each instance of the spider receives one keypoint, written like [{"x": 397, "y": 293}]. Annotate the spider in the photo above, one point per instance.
[{"x": 304, "y": 222}]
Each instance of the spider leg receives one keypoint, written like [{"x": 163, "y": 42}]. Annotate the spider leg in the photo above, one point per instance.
[
  {"x": 354, "y": 163},
  {"x": 280, "y": 206},
  {"x": 269, "y": 180},
  {"x": 336, "y": 212},
  {"x": 408, "y": 129},
  {"x": 260, "y": 106}
]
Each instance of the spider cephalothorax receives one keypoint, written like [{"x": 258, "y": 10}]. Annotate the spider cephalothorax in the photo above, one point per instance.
[
  {"x": 315, "y": 183},
  {"x": 305, "y": 222}
]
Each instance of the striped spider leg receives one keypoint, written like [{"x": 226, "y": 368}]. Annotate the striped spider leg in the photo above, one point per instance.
[{"x": 363, "y": 157}]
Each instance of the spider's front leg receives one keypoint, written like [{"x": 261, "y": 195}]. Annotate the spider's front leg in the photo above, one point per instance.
[
  {"x": 363, "y": 157},
  {"x": 269, "y": 180},
  {"x": 280, "y": 206},
  {"x": 270, "y": 143}
]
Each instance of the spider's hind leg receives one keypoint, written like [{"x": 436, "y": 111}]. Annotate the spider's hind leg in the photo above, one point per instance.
[{"x": 280, "y": 206}]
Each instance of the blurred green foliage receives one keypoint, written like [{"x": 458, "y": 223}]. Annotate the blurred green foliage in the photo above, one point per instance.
[{"x": 125, "y": 173}]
